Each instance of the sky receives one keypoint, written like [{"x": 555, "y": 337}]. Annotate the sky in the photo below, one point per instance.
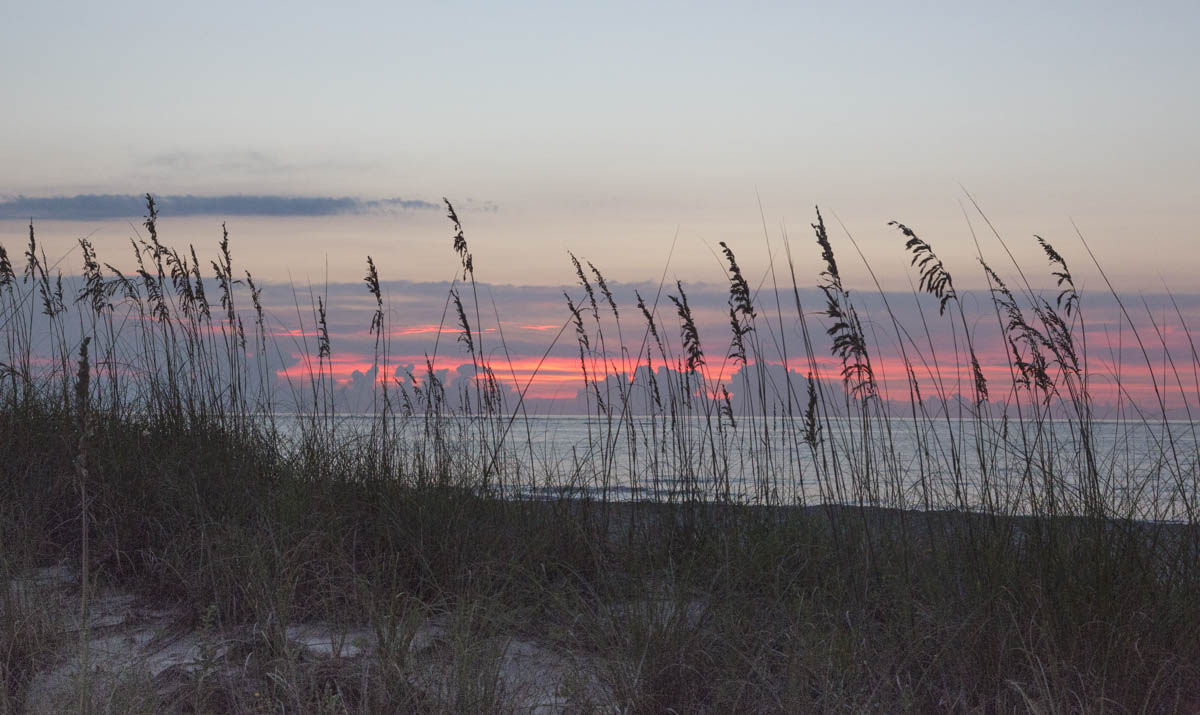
[{"x": 637, "y": 136}]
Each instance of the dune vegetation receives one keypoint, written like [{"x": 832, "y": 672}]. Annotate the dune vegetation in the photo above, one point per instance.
[{"x": 789, "y": 551}]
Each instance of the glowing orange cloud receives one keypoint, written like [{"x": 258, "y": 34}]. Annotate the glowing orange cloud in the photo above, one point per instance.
[
  {"x": 562, "y": 376},
  {"x": 425, "y": 329},
  {"x": 546, "y": 378}
]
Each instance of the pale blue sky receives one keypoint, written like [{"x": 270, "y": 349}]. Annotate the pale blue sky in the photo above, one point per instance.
[{"x": 604, "y": 128}]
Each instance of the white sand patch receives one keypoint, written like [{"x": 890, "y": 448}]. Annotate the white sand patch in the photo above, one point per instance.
[
  {"x": 528, "y": 677},
  {"x": 122, "y": 637},
  {"x": 328, "y": 641},
  {"x": 125, "y": 639}
]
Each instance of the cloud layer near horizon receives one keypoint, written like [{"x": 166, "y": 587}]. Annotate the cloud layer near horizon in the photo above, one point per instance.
[
  {"x": 536, "y": 346},
  {"x": 125, "y": 206},
  {"x": 527, "y": 336}
]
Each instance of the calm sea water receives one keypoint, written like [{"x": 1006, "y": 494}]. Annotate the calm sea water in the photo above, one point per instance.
[{"x": 1147, "y": 469}]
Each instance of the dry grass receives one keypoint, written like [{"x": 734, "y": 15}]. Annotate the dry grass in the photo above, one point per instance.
[{"x": 157, "y": 465}]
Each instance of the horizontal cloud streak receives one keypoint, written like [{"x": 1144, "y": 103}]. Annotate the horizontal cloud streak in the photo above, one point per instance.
[{"x": 125, "y": 206}]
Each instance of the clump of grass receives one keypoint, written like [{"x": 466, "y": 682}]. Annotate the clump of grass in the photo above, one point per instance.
[
  {"x": 161, "y": 465},
  {"x": 741, "y": 307},
  {"x": 693, "y": 353},
  {"x": 936, "y": 281},
  {"x": 29, "y": 636},
  {"x": 849, "y": 340}
]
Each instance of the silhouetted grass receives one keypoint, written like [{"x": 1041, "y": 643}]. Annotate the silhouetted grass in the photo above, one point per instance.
[{"x": 996, "y": 562}]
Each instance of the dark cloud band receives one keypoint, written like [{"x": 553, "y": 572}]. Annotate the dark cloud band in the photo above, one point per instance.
[{"x": 125, "y": 206}]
